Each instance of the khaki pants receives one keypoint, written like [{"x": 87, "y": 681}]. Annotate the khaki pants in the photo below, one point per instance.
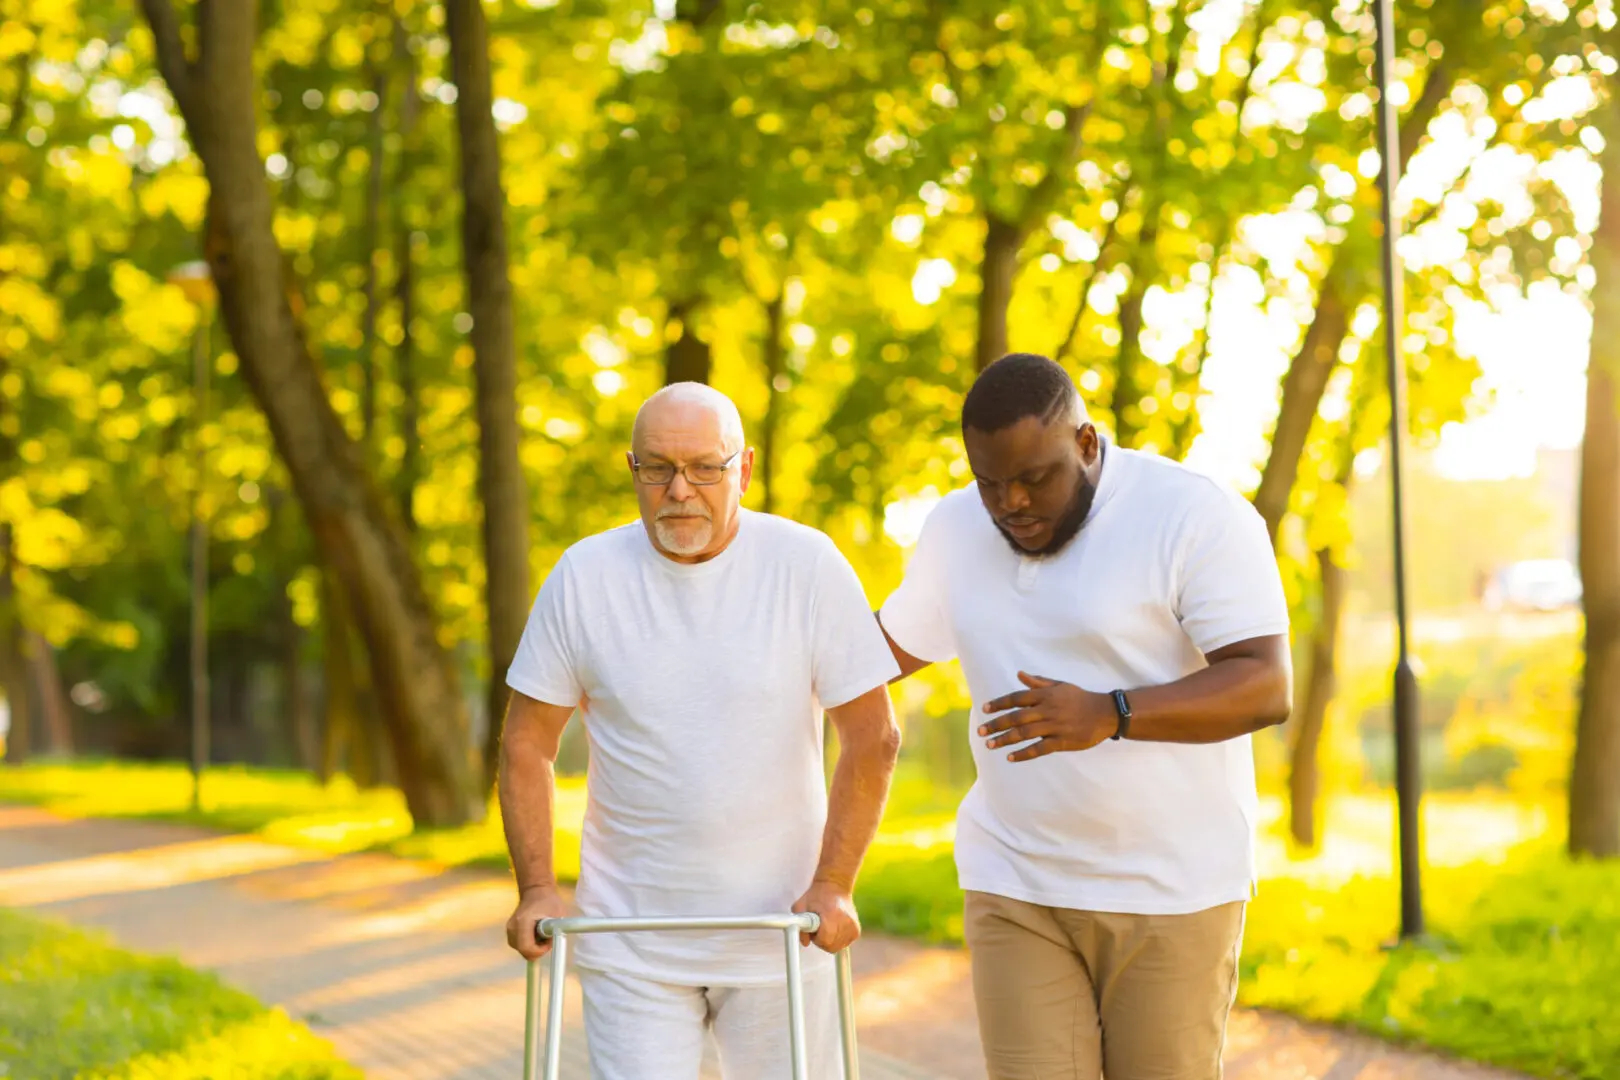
[{"x": 1074, "y": 995}]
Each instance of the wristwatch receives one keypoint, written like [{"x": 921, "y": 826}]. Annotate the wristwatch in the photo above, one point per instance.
[{"x": 1122, "y": 706}]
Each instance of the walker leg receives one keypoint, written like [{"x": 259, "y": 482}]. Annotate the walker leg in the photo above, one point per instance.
[
  {"x": 846, "y": 1017},
  {"x": 554, "y": 1019},
  {"x": 531, "y": 1024},
  {"x": 795, "y": 981}
]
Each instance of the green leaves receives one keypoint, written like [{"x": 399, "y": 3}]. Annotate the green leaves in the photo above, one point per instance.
[{"x": 844, "y": 157}]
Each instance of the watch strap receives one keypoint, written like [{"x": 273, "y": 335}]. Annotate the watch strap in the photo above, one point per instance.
[{"x": 1122, "y": 708}]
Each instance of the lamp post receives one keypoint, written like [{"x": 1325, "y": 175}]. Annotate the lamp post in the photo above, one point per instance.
[
  {"x": 196, "y": 282},
  {"x": 1408, "y": 774}
]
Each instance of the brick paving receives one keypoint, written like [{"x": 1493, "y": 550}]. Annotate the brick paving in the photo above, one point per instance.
[{"x": 403, "y": 965}]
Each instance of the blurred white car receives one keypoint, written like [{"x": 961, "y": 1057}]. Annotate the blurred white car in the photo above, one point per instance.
[{"x": 1534, "y": 585}]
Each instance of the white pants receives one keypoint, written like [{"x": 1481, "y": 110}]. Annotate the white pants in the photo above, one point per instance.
[{"x": 638, "y": 1029}]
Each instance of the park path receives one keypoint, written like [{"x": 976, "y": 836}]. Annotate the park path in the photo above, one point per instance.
[{"x": 404, "y": 967}]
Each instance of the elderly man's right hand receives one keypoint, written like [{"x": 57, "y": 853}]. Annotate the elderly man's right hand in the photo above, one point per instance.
[{"x": 534, "y": 904}]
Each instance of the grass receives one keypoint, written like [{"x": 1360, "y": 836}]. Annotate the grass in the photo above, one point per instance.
[
  {"x": 1523, "y": 970},
  {"x": 1525, "y": 974},
  {"x": 74, "y": 1008}
]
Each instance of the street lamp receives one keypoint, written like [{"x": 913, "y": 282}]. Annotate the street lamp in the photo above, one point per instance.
[
  {"x": 197, "y": 283},
  {"x": 1408, "y": 775}
]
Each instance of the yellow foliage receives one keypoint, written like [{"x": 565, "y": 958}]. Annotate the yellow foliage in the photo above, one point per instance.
[
  {"x": 156, "y": 314},
  {"x": 121, "y": 635},
  {"x": 73, "y": 479},
  {"x": 105, "y": 176},
  {"x": 247, "y": 525},
  {"x": 267, "y": 1045},
  {"x": 304, "y": 591},
  {"x": 296, "y": 37},
  {"x": 68, "y": 383},
  {"x": 47, "y": 539},
  {"x": 346, "y": 48},
  {"x": 295, "y": 232},
  {"x": 16, "y": 39},
  {"x": 179, "y": 192},
  {"x": 32, "y": 306},
  {"x": 162, "y": 410}
]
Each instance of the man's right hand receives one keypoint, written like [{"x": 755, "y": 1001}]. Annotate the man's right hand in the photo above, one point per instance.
[{"x": 540, "y": 902}]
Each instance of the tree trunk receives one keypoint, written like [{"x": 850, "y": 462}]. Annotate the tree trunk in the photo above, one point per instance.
[
  {"x": 410, "y": 103},
  {"x": 371, "y": 235},
  {"x": 358, "y": 538},
  {"x": 298, "y": 724},
  {"x": 341, "y": 749},
  {"x": 500, "y": 473},
  {"x": 14, "y": 655},
  {"x": 1304, "y": 772},
  {"x": 13, "y": 652},
  {"x": 1303, "y": 387},
  {"x": 1594, "y": 788},
  {"x": 54, "y": 706},
  {"x": 1004, "y": 239},
  {"x": 775, "y": 390},
  {"x": 1088, "y": 279},
  {"x": 688, "y": 358},
  {"x": 300, "y": 719},
  {"x": 997, "y": 271},
  {"x": 1127, "y": 396}
]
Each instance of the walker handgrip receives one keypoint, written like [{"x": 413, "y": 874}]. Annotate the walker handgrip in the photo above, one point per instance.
[{"x": 545, "y": 929}]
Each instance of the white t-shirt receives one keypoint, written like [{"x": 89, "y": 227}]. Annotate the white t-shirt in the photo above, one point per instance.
[
  {"x": 702, "y": 687},
  {"x": 1169, "y": 566}
]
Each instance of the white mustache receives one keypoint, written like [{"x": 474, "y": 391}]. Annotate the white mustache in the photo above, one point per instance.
[{"x": 684, "y": 510}]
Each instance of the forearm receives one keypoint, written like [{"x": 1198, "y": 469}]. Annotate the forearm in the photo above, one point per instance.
[
  {"x": 527, "y": 793},
  {"x": 1230, "y": 698},
  {"x": 860, "y": 788}
]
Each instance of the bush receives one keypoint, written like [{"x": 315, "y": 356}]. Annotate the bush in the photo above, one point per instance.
[
  {"x": 1523, "y": 972},
  {"x": 74, "y": 1008}
]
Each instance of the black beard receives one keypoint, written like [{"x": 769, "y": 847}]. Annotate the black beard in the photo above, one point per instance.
[{"x": 1068, "y": 526}]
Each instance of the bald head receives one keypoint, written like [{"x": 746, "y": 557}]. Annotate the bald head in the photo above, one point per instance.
[
  {"x": 691, "y": 468},
  {"x": 689, "y": 407}
]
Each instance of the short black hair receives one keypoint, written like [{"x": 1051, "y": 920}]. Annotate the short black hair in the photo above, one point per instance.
[{"x": 1018, "y": 385}]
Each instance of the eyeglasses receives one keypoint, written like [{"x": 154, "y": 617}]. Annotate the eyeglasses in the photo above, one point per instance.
[{"x": 659, "y": 473}]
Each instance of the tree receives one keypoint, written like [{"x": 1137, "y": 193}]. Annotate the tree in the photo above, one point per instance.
[
  {"x": 1318, "y": 354},
  {"x": 14, "y": 675},
  {"x": 500, "y": 475},
  {"x": 357, "y": 537},
  {"x": 1462, "y": 53},
  {"x": 1015, "y": 92},
  {"x": 1594, "y": 789}
]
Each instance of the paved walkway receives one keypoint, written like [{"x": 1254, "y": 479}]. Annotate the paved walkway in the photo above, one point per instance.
[{"x": 403, "y": 965}]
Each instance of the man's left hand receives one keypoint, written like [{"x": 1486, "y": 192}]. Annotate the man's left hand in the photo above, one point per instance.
[
  {"x": 1058, "y": 715},
  {"x": 840, "y": 925}
]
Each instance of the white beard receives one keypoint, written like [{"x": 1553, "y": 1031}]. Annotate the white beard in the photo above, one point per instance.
[{"x": 669, "y": 536}]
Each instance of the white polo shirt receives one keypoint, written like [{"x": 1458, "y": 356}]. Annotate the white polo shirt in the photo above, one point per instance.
[
  {"x": 702, "y": 687},
  {"x": 1169, "y": 566}
]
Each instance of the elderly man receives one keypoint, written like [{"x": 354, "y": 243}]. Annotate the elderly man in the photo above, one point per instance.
[
  {"x": 1122, "y": 626},
  {"x": 701, "y": 645}
]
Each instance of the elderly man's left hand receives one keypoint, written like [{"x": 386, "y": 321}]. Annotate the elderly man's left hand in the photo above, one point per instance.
[{"x": 840, "y": 924}]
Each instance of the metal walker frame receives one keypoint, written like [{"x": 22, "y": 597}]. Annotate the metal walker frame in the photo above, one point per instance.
[{"x": 559, "y": 931}]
